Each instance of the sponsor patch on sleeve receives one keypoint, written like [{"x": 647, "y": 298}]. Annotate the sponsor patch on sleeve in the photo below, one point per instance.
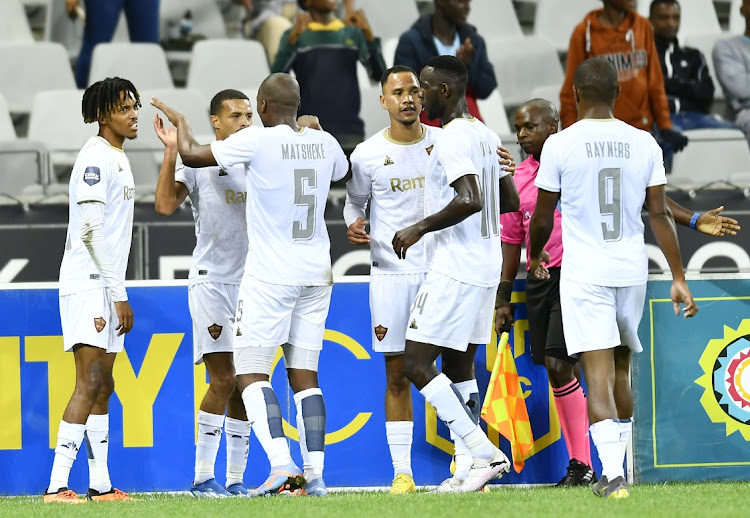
[{"x": 92, "y": 175}]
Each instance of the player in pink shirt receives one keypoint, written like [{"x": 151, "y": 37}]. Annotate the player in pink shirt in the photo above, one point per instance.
[{"x": 536, "y": 120}]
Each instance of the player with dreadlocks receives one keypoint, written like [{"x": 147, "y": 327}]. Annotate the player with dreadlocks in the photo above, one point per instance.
[{"x": 94, "y": 307}]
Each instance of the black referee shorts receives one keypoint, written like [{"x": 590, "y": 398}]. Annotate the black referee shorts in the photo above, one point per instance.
[{"x": 545, "y": 318}]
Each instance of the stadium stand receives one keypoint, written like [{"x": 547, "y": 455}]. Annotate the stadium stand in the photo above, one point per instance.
[
  {"x": 713, "y": 155},
  {"x": 192, "y": 103},
  {"x": 206, "y": 17},
  {"x": 549, "y": 92},
  {"x": 371, "y": 111},
  {"x": 736, "y": 21},
  {"x": 697, "y": 17},
  {"x": 144, "y": 64},
  {"x": 556, "y": 25},
  {"x": 252, "y": 94},
  {"x": 14, "y": 25},
  {"x": 7, "y": 131},
  {"x": 389, "y": 18},
  {"x": 495, "y": 17},
  {"x": 493, "y": 113}
]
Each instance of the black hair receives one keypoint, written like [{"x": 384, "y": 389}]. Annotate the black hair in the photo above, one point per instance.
[
  {"x": 655, "y": 3},
  {"x": 596, "y": 79},
  {"x": 225, "y": 95},
  {"x": 451, "y": 70},
  {"x": 396, "y": 69},
  {"x": 103, "y": 96},
  {"x": 302, "y": 4}
]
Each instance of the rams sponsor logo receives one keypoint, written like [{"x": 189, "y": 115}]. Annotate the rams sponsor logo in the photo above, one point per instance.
[{"x": 407, "y": 184}]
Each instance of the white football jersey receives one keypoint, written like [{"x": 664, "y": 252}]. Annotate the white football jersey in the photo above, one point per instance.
[
  {"x": 601, "y": 168},
  {"x": 288, "y": 176},
  {"x": 218, "y": 199},
  {"x": 102, "y": 174},
  {"x": 469, "y": 251},
  {"x": 393, "y": 175}
]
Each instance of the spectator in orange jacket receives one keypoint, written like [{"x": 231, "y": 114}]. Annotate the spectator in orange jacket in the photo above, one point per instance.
[{"x": 625, "y": 38}]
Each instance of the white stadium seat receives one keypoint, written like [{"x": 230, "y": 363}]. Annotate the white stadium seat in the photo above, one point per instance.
[
  {"x": 191, "y": 103},
  {"x": 711, "y": 155},
  {"x": 7, "y": 132},
  {"x": 549, "y": 92},
  {"x": 371, "y": 112},
  {"x": 206, "y": 17},
  {"x": 736, "y": 21},
  {"x": 492, "y": 110},
  {"x": 494, "y": 18},
  {"x": 215, "y": 66},
  {"x": 389, "y": 18},
  {"x": 144, "y": 64},
  {"x": 14, "y": 25},
  {"x": 555, "y": 22}
]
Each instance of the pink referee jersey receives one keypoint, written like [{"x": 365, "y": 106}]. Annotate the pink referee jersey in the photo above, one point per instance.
[{"x": 516, "y": 224}]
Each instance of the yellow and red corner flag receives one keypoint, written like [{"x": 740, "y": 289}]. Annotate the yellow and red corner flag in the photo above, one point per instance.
[{"x": 504, "y": 407}]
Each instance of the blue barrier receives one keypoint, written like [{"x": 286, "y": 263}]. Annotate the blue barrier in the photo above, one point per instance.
[{"x": 152, "y": 414}]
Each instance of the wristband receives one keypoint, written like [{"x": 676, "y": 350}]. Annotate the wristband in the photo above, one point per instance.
[
  {"x": 504, "y": 292},
  {"x": 694, "y": 220}
]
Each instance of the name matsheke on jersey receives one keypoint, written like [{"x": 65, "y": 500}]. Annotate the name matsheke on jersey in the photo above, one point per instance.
[
  {"x": 609, "y": 149},
  {"x": 303, "y": 152}
]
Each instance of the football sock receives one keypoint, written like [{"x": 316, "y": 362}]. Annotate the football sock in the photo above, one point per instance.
[
  {"x": 626, "y": 429},
  {"x": 606, "y": 436},
  {"x": 462, "y": 456},
  {"x": 238, "y": 446},
  {"x": 571, "y": 408},
  {"x": 311, "y": 424},
  {"x": 399, "y": 435},
  {"x": 209, "y": 437},
  {"x": 450, "y": 408},
  {"x": 69, "y": 439},
  {"x": 264, "y": 413},
  {"x": 97, "y": 447}
]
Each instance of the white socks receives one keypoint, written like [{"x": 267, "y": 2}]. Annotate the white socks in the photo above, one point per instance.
[
  {"x": 311, "y": 425},
  {"x": 462, "y": 456},
  {"x": 399, "y": 435},
  {"x": 451, "y": 409},
  {"x": 264, "y": 414},
  {"x": 238, "y": 447},
  {"x": 209, "y": 437},
  {"x": 69, "y": 439},
  {"x": 611, "y": 437},
  {"x": 97, "y": 446}
]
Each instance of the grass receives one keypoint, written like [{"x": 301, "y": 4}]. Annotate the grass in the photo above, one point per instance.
[{"x": 724, "y": 500}]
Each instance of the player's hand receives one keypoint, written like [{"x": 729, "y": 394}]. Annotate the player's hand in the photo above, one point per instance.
[
  {"x": 173, "y": 115},
  {"x": 359, "y": 19},
  {"x": 466, "y": 52},
  {"x": 357, "y": 234},
  {"x": 70, "y": 7},
  {"x": 506, "y": 160},
  {"x": 300, "y": 26},
  {"x": 537, "y": 266},
  {"x": 405, "y": 238},
  {"x": 309, "y": 121},
  {"x": 714, "y": 225},
  {"x": 504, "y": 319},
  {"x": 680, "y": 294},
  {"x": 168, "y": 136},
  {"x": 124, "y": 317}
]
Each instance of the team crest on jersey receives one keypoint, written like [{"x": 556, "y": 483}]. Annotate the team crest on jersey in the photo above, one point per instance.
[
  {"x": 222, "y": 172},
  {"x": 92, "y": 175},
  {"x": 380, "y": 332},
  {"x": 413, "y": 324},
  {"x": 388, "y": 161},
  {"x": 99, "y": 324},
  {"x": 429, "y": 150},
  {"x": 215, "y": 330},
  {"x": 239, "y": 333}
]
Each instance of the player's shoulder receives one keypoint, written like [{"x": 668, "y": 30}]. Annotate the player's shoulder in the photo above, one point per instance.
[
  {"x": 432, "y": 133},
  {"x": 97, "y": 152}
]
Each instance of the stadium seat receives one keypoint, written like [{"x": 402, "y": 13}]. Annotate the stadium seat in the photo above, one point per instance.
[
  {"x": 144, "y": 64},
  {"x": 712, "y": 155},
  {"x": 495, "y": 18},
  {"x": 206, "y": 16},
  {"x": 493, "y": 113},
  {"x": 371, "y": 112},
  {"x": 14, "y": 25},
  {"x": 7, "y": 132},
  {"x": 555, "y": 23},
  {"x": 191, "y": 103},
  {"x": 696, "y": 17},
  {"x": 214, "y": 66},
  {"x": 23, "y": 168},
  {"x": 705, "y": 43},
  {"x": 736, "y": 21},
  {"x": 19, "y": 81},
  {"x": 550, "y": 92},
  {"x": 389, "y": 51},
  {"x": 522, "y": 64},
  {"x": 389, "y": 18}
]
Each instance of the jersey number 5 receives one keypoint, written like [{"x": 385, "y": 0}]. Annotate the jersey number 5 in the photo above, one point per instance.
[
  {"x": 304, "y": 230},
  {"x": 610, "y": 203}
]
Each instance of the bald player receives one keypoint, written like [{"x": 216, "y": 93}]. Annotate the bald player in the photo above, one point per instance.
[
  {"x": 285, "y": 290},
  {"x": 605, "y": 265}
]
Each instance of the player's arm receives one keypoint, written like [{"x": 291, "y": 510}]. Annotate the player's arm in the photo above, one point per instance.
[
  {"x": 539, "y": 231},
  {"x": 358, "y": 191},
  {"x": 504, "y": 312},
  {"x": 193, "y": 154},
  {"x": 710, "y": 222},
  {"x": 468, "y": 201},
  {"x": 169, "y": 193},
  {"x": 509, "y": 200},
  {"x": 666, "y": 237}
]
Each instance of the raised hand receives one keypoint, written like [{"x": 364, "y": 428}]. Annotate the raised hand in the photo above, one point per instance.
[
  {"x": 506, "y": 160},
  {"x": 173, "y": 115},
  {"x": 300, "y": 26},
  {"x": 466, "y": 52},
  {"x": 714, "y": 225},
  {"x": 168, "y": 136}
]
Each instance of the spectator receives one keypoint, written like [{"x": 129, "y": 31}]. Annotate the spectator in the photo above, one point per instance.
[
  {"x": 625, "y": 38},
  {"x": 446, "y": 32},
  {"x": 264, "y": 23},
  {"x": 689, "y": 87},
  {"x": 101, "y": 21},
  {"x": 323, "y": 53},
  {"x": 732, "y": 62}
]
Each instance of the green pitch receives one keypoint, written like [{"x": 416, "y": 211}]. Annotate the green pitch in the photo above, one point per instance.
[{"x": 646, "y": 501}]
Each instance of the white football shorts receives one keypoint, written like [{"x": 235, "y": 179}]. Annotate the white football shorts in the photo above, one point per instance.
[
  {"x": 212, "y": 308},
  {"x": 449, "y": 313},
  {"x": 270, "y": 315},
  {"x": 391, "y": 297},
  {"x": 89, "y": 317},
  {"x": 600, "y": 317}
]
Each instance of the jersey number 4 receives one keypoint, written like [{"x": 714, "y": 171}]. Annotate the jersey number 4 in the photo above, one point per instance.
[
  {"x": 610, "y": 203},
  {"x": 304, "y": 230}
]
